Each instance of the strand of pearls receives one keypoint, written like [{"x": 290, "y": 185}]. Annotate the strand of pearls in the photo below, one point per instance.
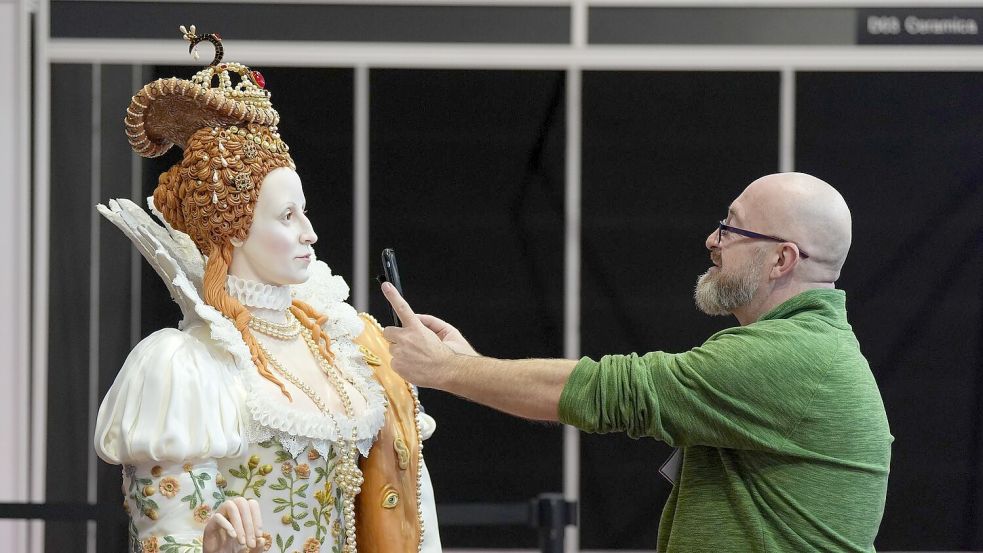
[
  {"x": 349, "y": 476},
  {"x": 284, "y": 331},
  {"x": 417, "y": 411},
  {"x": 419, "y": 465}
]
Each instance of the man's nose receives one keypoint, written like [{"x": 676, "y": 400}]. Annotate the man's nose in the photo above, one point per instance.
[{"x": 711, "y": 241}]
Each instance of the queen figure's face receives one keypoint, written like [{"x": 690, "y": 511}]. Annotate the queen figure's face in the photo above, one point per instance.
[{"x": 278, "y": 249}]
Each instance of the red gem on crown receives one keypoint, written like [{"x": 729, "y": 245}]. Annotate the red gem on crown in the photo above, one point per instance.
[{"x": 258, "y": 78}]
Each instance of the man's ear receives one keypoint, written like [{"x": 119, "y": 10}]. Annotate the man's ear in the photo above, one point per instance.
[
  {"x": 788, "y": 258},
  {"x": 236, "y": 242}
]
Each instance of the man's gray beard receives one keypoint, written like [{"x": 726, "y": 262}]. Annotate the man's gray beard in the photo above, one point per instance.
[{"x": 721, "y": 294}]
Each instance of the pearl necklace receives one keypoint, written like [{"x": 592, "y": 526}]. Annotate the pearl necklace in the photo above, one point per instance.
[
  {"x": 280, "y": 331},
  {"x": 349, "y": 476}
]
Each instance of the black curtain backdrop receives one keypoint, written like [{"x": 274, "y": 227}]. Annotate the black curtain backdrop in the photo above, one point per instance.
[
  {"x": 467, "y": 183},
  {"x": 904, "y": 150}
]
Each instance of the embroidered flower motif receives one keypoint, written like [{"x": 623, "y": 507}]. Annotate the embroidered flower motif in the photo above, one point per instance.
[
  {"x": 313, "y": 455},
  {"x": 336, "y": 528},
  {"x": 202, "y": 512},
  {"x": 169, "y": 486},
  {"x": 150, "y": 545},
  {"x": 303, "y": 471},
  {"x": 268, "y": 539},
  {"x": 187, "y": 467},
  {"x": 312, "y": 546},
  {"x": 286, "y": 468}
]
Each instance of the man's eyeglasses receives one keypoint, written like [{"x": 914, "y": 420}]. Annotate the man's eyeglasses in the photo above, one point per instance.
[{"x": 722, "y": 227}]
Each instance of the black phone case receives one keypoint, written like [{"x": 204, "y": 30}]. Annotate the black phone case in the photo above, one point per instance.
[{"x": 391, "y": 272}]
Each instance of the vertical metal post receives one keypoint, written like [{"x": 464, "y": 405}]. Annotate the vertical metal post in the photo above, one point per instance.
[
  {"x": 360, "y": 205},
  {"x": 95, "y": 255},
  {"x": 39, "y": 308},
  {"x": 786, "y": 129}
]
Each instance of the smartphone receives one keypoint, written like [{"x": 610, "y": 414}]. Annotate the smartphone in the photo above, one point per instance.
[{"x": 390, "y": 273}]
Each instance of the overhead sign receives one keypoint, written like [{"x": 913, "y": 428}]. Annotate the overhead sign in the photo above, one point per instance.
[{"x": 919, "y": 26}]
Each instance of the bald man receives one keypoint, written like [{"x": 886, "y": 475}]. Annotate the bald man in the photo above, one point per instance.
[{"x": 784, "y": 439}]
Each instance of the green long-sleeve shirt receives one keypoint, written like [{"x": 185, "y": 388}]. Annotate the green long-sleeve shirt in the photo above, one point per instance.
[{"x": 786, "y": 445}]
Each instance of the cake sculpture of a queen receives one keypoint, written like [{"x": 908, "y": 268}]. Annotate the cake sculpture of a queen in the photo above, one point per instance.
[{"x": 270, "y": 419}]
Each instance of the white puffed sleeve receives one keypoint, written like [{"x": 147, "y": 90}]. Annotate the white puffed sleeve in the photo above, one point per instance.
[
  {"x": 173, "y": 409},
  {"x": 176, "y": 398}
]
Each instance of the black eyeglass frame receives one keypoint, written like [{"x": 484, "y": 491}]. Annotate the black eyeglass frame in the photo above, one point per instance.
[{"x": 721, "y": 226}]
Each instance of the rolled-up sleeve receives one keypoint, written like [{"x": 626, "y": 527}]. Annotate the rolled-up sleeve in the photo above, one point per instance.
[{"x": 729, "y": 392}]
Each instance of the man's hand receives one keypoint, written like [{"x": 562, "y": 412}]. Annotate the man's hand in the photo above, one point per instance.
[
  {"x": 450, "y": 336},
  {"x": 234, "y": 527},
  {"x": 419, "y": 355}
]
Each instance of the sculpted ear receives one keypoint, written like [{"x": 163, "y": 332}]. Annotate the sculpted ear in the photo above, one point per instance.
[{"x": 236, "y": 242}]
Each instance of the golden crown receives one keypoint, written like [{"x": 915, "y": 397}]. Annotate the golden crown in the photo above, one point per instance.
[
  {"x": 166, "y": 112},
  {"x": 251, "y": 87}
]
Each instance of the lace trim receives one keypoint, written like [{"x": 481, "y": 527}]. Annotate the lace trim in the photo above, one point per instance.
[
  {"x": 256, "y": 294},
  {"x": 269, "y": 419}
]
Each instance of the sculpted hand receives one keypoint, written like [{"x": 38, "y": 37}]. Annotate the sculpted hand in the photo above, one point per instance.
[
  {"x": 234, "y": 527},
  {"x": 418, "y": 353},
  {"x": 450, "y": 336}
]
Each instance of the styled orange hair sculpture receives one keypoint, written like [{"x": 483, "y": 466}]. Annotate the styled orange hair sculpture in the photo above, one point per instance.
[{"x": 211, "y": 195}]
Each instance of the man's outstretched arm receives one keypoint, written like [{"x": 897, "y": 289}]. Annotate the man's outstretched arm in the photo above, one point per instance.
[{"x": 529, "y": 388}]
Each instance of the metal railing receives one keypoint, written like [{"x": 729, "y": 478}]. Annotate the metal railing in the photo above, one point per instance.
[{"x": 548, "y": 513}]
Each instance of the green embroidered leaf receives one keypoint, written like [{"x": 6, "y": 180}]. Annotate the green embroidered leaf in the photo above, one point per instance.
[
  {"x": 279, "y": 486},
  {"x": 231, "y": 493},
  {"x": 169, "y": 539},
  {"x": 279, "y": 500},
  {"x": 259, "y": 483},
  {"x": 192, "y": 499},
  {"x": 304, "y": 514},
  {"x": 218, "y": 495},
  {"x": 309, "y": 523},
  {"x": 204, "y": 476},
  {"x": 290, "y": 541},
  {"x": 267, "y": 444},
  {"x": 300, "y": 491},
  {"x": 295, "y": 526},
  {"x": 280, "y": 508},
  {"x": 279, "y": 538},
  {"x": 282, "y": 456},
  {"x": 239, "y": 473}
]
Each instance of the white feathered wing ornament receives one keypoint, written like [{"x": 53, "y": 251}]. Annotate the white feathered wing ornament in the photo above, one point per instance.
[{"x": 170, "y": 252}]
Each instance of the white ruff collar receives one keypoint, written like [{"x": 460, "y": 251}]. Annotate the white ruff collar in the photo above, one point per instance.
[{"x": 256, "y": 294}]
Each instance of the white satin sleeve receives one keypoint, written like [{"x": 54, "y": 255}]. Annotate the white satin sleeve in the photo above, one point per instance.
[
  {"x": 431, "y": 528},
  {"x": 428, "y": 506},
  {"x": 175, "y": 399}
]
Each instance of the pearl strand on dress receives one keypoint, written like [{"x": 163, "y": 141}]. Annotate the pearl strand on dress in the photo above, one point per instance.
[{"x": 348, "y": 473}]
